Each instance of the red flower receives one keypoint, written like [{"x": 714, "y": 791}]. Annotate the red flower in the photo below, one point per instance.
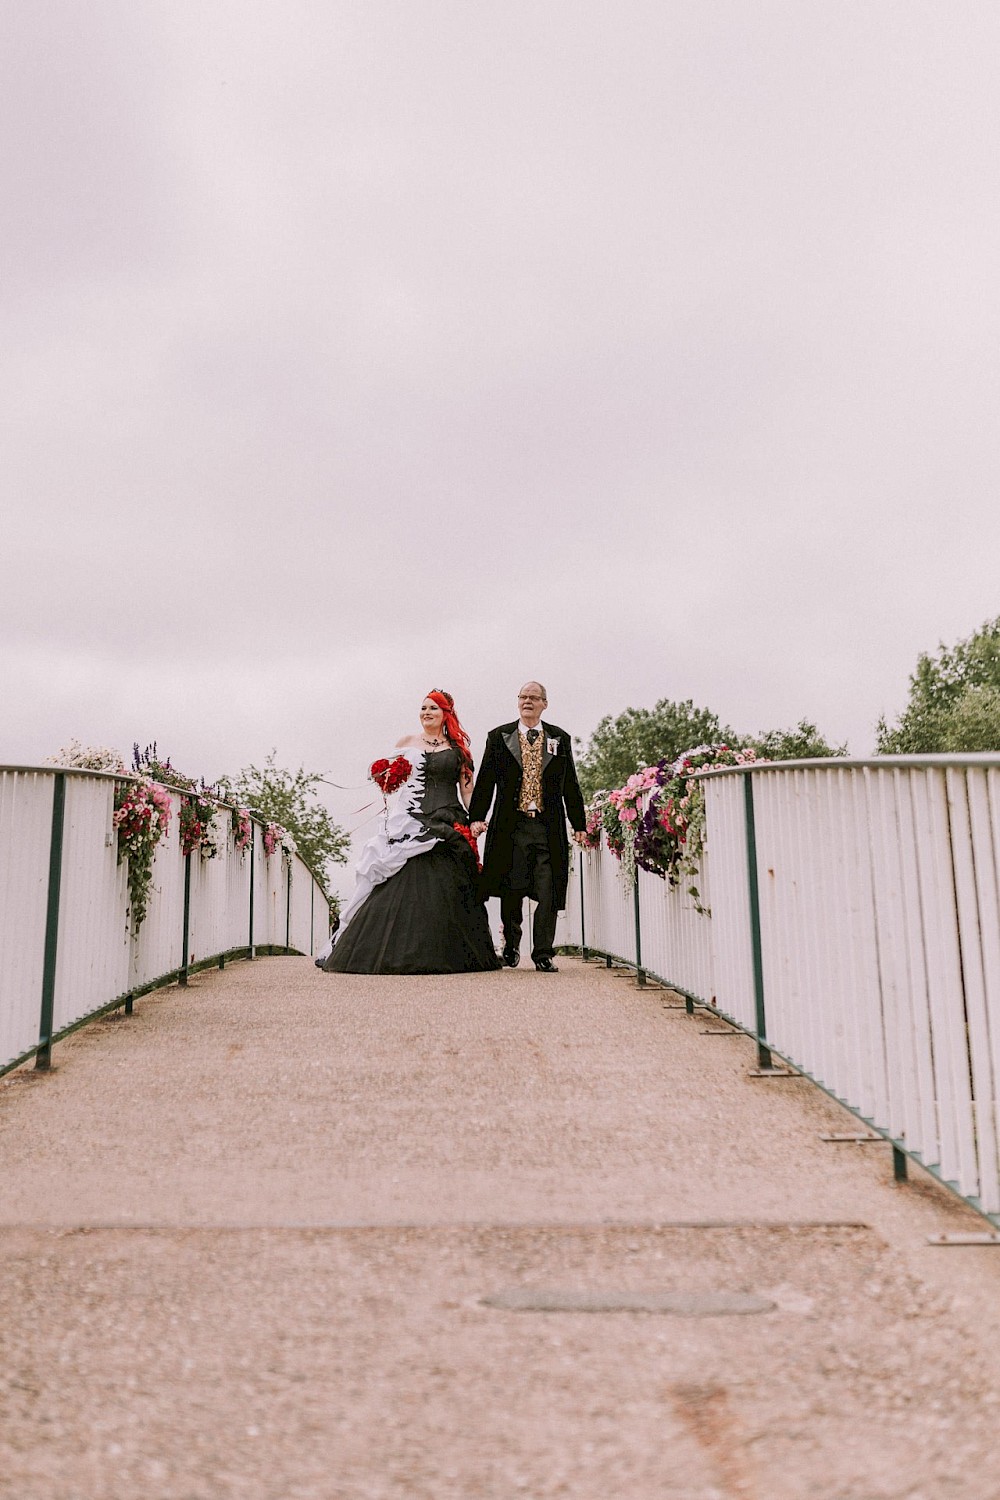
[{"x": 466, "y": 832}]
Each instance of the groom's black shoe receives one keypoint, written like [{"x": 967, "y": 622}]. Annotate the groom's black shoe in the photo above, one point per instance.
[
  {"x": 546, "y": 966},
  {"x": 510, "y": 956}
]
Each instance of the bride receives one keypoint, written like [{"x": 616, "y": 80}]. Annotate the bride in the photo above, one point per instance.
[{"x": 416, "y": 907}]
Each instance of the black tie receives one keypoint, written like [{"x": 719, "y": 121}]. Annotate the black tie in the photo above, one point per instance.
[{"x": 532, "y": 736}]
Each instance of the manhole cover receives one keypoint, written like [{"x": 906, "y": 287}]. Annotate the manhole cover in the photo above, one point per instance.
[{"x": 677, "y": 1304}]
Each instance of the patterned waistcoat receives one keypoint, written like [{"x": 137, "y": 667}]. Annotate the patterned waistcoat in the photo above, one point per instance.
[{"x": 531, "y": 780}]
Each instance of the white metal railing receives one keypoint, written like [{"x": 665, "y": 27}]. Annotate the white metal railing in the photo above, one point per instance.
[
  {"x": 854, "y": 930},
  {"x": 66, "y": 950}
]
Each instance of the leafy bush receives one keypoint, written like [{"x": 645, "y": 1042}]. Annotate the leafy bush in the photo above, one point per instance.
[
  {"x": 804, "y": 742},
  {"x": 954, "y": 701},
  {"x": 288, "y": 798},
  {"x": 642, "y": 737}
]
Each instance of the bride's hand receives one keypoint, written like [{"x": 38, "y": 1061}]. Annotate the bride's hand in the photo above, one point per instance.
[{"x": 476, "y": 829}]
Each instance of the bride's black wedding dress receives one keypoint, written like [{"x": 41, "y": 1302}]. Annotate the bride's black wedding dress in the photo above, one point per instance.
[{"x": 416, "y": 908}]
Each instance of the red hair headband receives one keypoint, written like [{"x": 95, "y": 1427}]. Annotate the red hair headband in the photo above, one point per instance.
[{"x": 452, "y": 728}]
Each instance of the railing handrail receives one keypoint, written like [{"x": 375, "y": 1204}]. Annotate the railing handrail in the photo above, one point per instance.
[
  {"x": 941, "y": 760},
  {"x": 71, "y": 950},
  {"x": 182, "y": 791},
  {"x": 850, "y": 923},
  {"x": 52, "y": 769}
]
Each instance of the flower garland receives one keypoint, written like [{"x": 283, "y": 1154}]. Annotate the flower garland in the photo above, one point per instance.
[
  {"x": 197, "y": 814},
  {"x": 276, "y": 837},
  {"x": 197, "y": 818},
  {"x": 141, "y": 817},
  {"x": 242, "y": 829},
  {"x": 143, "y": 808},
  {"x": 624, "y": 803},
  {"x": 595, "y": 821},
  {"x": 670, "y": 840},
  {"x": 87, "y": 757}
]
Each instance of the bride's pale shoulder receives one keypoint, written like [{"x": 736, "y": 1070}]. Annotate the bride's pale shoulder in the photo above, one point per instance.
[{"x": 407, "y": 740}]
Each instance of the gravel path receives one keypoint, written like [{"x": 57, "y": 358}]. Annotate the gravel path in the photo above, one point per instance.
[{"x": 295, "y": 1236}]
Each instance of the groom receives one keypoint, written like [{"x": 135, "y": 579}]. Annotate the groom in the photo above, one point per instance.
[{"x": 529, "y": 765}]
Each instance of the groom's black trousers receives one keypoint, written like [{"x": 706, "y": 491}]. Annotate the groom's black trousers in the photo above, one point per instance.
[{"x": 531, "y": 875}]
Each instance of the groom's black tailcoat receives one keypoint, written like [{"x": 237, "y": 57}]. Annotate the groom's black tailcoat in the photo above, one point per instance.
[{"x": 501, "y": 772}]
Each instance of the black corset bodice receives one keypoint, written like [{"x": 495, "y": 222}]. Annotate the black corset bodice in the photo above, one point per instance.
[{"x": 441, "y": 770}]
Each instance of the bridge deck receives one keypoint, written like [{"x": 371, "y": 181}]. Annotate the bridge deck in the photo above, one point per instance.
[{"x": 247, "y": 1234}]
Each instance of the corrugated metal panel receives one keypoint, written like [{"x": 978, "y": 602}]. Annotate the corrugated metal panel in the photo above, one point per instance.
[
  {"x": 729, "y": 924},
  {"x": 158, "y": 945},
  {"x": 93, "y": 954},
  {"x": 98, "y": 957},
  {"x": 879, "y": 889},
  {"x": 25, "y": 830}
]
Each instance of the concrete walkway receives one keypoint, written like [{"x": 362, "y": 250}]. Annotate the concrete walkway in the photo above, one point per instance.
[{"x": 295, "y": 1236}]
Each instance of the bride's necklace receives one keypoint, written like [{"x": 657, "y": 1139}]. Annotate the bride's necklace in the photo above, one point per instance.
[{"x": 435, "y": 743}]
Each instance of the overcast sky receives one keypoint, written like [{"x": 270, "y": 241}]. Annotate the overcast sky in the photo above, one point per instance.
[{"x": 350, "y": 350}]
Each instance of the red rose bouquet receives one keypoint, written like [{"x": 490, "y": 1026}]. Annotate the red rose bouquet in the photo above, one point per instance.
[
  {"x": 389, "y": 775},
  {"x": 467, "y": 834}
]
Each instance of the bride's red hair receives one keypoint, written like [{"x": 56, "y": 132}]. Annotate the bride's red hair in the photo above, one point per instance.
[{"x": 452, "y": 728}]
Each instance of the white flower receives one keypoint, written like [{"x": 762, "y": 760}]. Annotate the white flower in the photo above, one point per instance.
[{"x": 87, "y": 758}]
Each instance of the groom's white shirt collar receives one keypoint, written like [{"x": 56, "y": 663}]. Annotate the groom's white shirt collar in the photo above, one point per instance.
[{"x": 523, "y": 728}]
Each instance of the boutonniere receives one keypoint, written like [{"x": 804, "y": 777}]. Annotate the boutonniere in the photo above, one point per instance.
[{"x": 552, "y": 745}]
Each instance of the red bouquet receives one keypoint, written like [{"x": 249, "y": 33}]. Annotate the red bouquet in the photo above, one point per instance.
[
  {"x": 467, "y": 834},
  {"x": 389, "y": 775}
]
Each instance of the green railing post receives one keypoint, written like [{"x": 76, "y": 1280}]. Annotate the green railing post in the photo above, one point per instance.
[
  {"x": 43, "y": 1056},
  {"x": 583, "y": 924},
  {"x": 763, "y": 1051},
  {"x": 182, "y": 978},
  {"x": 640, "y": 972},
  {"x": 253, "y": 862}
]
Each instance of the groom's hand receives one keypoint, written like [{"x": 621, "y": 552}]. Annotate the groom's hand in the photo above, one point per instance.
[
  {"x": 579, "y": 836},
  {"x": 476, "y": 829}
]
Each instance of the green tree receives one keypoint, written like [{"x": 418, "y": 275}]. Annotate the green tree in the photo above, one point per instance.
[
  {"x": 642, "y": 736},
  {"x": 288, "y": 798},
  {"x": 954, "y": 701},
  {"x": 803, "y": 742}
]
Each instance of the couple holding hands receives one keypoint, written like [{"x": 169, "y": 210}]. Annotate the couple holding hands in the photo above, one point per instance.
[{"x": 418, "y": 903}]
